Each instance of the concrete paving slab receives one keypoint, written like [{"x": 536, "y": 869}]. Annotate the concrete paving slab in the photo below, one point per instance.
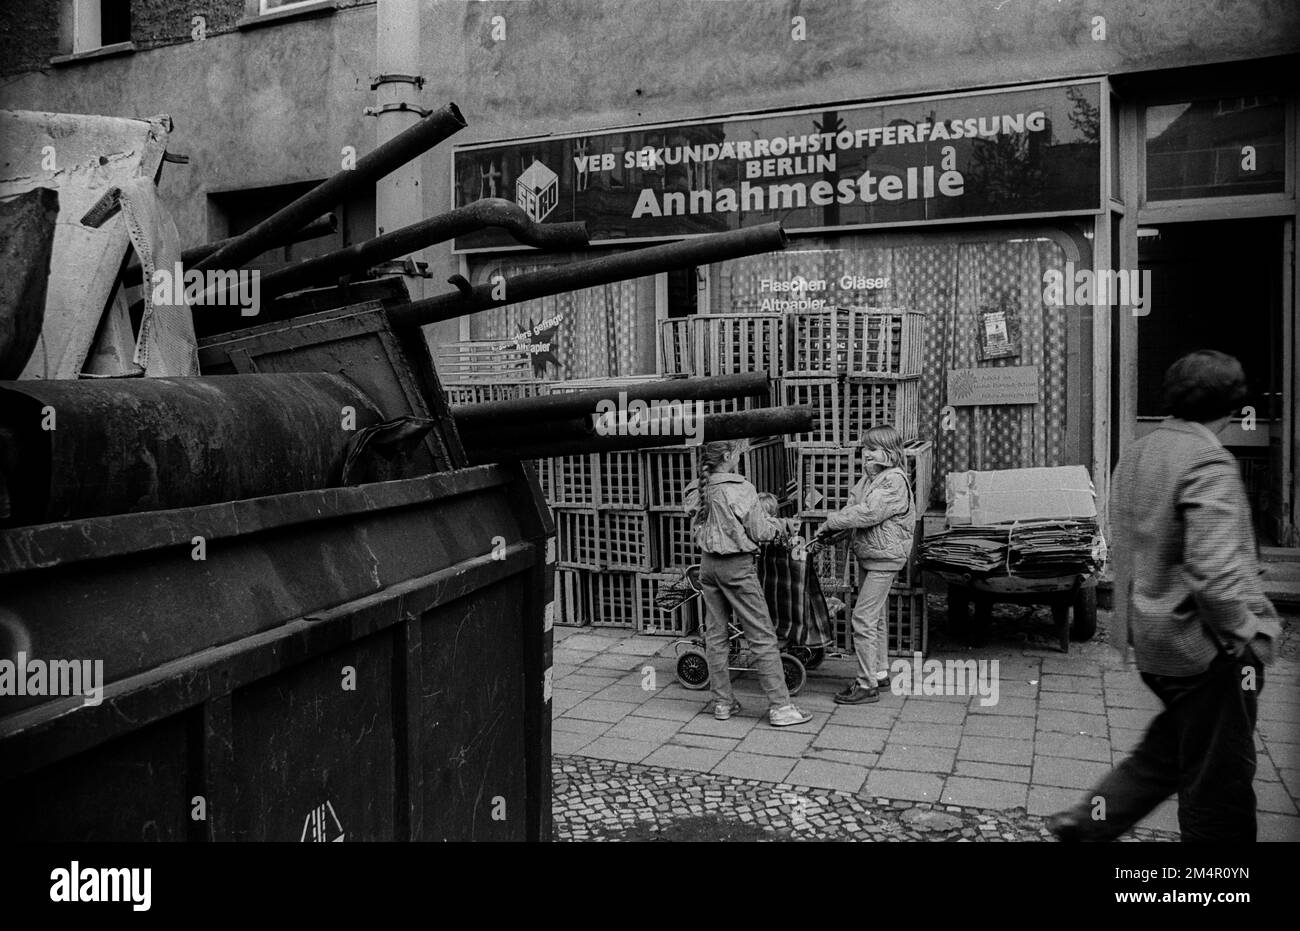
[
  {"x": 997, "y": 771},
  {"x": 863, "y": 760},
  {"x": 1016, "y": 707},
  {"x": 984, "y": 793},
  {"x": 922, "y": 709},
  {"x": 1073, "y": 746},
  {"x": 701, "y": 759},
  {"x": 825, "y": 774},
  {"x": 926, "y": 734},
  {"x": 894, "y": 784},
  {"x": 593, "y": 710},
  {"x": 996, "y": 725},
  {"x": 773, "y": 742},
  {"x": 1068, "y": 773},
  {"x": 613, "y": 748},
  {"x": 755, "y": 766},
  {"x": 996, "y": 750},
  {"x": 855, "y": 739},
  {"x": 917, "y": 759},
  {"x": 1072, "y": 701},
  {"x": 1072, "y": 722},
  {"x": 654, "y": 730},
  {"x": 1048, "y": 800}
]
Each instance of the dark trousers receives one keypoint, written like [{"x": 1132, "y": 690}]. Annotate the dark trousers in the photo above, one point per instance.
[{"x": 1202, "y": 746}]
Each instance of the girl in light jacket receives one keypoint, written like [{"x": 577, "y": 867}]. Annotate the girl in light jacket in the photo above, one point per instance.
[
  {"x": 728, "y": 522},
  {"x": 881, "y": 515}
]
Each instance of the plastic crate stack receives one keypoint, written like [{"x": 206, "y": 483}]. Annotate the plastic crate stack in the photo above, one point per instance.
[
  {"x": 621, "y": 533},
  {"x": 857, "y": 367}
]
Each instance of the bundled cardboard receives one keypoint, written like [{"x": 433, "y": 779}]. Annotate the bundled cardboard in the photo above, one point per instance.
[{"x": 982, "y": 498}]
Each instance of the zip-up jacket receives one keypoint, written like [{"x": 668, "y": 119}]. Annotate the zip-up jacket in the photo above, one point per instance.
[
  {"x": 882, "y": 516},
  {"x": 736, "y": 522}
]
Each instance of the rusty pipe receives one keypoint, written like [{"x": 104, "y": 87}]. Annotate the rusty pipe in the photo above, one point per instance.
[
  {"x": 321, "y": 226},
  {"x": 494, "y": 211},
  {"x": 399, "y": 150},
  {"x": 123, "y": 445},
  {"x": 769, "y": 421},
  {"x": 583, "y": 403},
  {"x": 702, "y": 250}
]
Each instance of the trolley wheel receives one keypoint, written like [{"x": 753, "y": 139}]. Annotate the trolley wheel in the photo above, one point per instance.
[
  {"x": 693, "y": 670},
  {"x": 795, "y": 675},
  {"x": 1085, "y": 614},
  {"x": 816, "y": 655}
]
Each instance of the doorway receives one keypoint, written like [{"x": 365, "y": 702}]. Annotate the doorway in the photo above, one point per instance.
[{"x": 1218, "y": 285}]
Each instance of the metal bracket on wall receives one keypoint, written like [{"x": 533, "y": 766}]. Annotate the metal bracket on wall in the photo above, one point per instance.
[
  {"x": 402, "y": 267},
  {"x": 403, "y": 105},
  {"x": 416, "y": 79}
]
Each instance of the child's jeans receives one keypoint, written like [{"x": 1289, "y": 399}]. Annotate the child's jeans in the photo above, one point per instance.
[
  {"x": 870, "y": 624},
  {"x": 731, "y": 586}
]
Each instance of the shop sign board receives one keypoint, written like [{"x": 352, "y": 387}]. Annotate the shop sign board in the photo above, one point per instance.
[
  {"x": 1004, "y": 384},
  {"x": 1025, "y": 152}
]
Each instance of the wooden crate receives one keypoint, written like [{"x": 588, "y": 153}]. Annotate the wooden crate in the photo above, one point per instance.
[
  {"x": 825, "y": 478},
  {"x": 479, "y": 392},
  {"x": 542, "y": 467},
  {"x": 622, "y": 482},
  {"x": 675, "y": 352},
  {"x": 732, "y": 405},
  {"x": 625, "y": 540},
  {"x": 653, "y": 620},
  {"x": 727, "y": 344},
  {"x": 908, "y": 626},
  {"x": 919, "y": 456},
  {"x": 764, "y": 464},
  {"x": 575, "y": 481},
  {"x": 870, "y": 403},
  {"x": 578, "y": 539},
  {"x": 823, "y": 395},
  {"x": 673, "y": 546},
  {"x": 886, "y": 343},
  {"x": 667, "y": 473},
  {"x": 484, "y": 360},
  {"x": 817, "y": 342},
  {"x": 573, "y": 597},
  {"x": 614, "y": 601}
]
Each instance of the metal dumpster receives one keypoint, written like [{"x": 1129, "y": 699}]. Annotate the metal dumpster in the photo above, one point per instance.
[{"x": 361, "y": 663}]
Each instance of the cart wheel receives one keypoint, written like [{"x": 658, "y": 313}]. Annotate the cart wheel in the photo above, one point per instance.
[
  {"x": 1085, "y": 614},
  {"x": 795, "y": 675},
  {"x": 693, "y": 670}
]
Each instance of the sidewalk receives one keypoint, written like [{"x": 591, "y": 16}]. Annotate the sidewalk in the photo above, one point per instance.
[{"x": 1060, "y": 723}]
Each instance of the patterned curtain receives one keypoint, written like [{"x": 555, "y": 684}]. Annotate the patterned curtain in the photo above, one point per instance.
[
  {"x": 951, "y": 282},
  {"x": 598, "y": 334}
]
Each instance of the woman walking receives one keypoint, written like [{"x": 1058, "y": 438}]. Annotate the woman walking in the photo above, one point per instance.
[
  {"x": 882, "y": 515},
  {"x": 728, "y": 522}
]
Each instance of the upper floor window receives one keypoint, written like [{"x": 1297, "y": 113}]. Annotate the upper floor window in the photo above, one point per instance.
[
  {"x": 274, "y": 6},
  {"x": 97, "y": 23},
  {"x": 1216, "y": 148}
]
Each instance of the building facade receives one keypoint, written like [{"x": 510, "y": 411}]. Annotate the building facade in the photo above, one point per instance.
[{"x": 1130, "y": 195}]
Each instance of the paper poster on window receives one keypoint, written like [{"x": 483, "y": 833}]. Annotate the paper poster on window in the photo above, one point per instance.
[{"x": 999, "y": 333}]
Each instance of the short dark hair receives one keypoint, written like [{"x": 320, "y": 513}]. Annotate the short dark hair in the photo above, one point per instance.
[{"x": 1204, "y": 385}]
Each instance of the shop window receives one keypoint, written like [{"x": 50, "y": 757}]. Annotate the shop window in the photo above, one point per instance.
[
  {"x": 608, "y": 330},
  {"x": 1215, "y": 148},
  {"x": 95, "y": 24},
  {"x": 958, "y": 282}
]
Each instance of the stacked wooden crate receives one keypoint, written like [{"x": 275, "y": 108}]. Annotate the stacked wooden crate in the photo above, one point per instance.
[{"x": 857, "y": 367}]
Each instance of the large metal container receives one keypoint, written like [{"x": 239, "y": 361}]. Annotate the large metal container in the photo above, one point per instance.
[{"x": 364, "y": 663}]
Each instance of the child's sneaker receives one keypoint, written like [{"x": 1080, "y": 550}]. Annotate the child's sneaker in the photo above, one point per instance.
[
  {"x": 723, "y": 710},
  {"x": 787, "y": 715}
]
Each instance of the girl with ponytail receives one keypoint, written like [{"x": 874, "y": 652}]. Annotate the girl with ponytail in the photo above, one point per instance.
[{"x": 728, "y": 522}]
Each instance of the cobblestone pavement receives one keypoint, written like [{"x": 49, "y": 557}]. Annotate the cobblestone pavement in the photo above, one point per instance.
[
  {"x": 636, "y": 758},
  {"x": 602, "y": 800}
]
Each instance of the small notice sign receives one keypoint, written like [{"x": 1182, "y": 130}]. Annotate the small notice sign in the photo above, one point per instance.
[{"x": 1010, "y": 384}]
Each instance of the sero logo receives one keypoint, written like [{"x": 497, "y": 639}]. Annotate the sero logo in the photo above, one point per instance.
[
  {"x": 102, "y": 884},
  {"x": 650, "y": 418},
  {"x": 23, "y": 676},
  {"x": 952, "y": 677},
  {"x": 537, "y": 190},
  {"x": 1086, "y": 287},
  {"x": 238, "y": 287}
]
